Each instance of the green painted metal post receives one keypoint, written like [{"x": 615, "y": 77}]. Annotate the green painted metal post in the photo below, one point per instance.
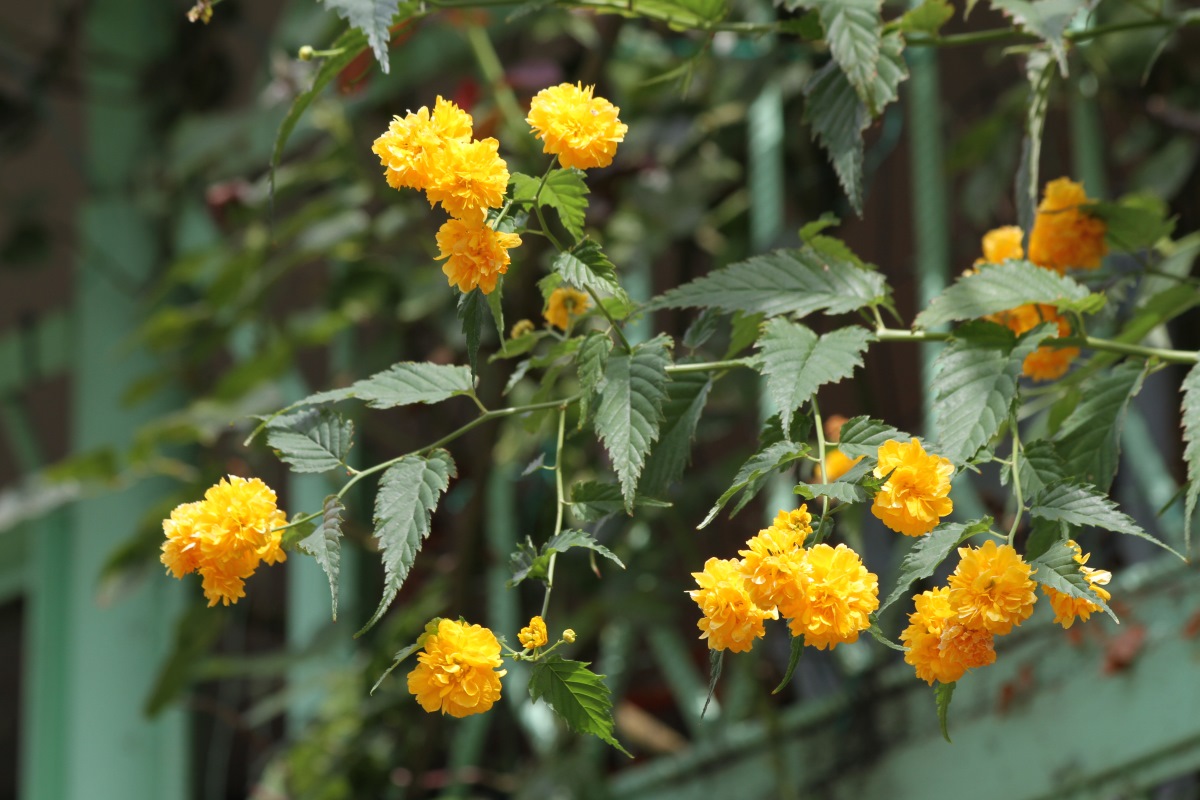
[{"x": 91, "y": 665}]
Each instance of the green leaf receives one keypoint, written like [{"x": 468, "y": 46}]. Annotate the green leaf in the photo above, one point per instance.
[
  {"x": 315, "y": 440},
  {"x": 408, "y": 495},
  {"x": 586, "y": 267},
  {"x": 350, "y": 44},
  {"x": 472, "y": 310},
  {"x": 630, "y": 409},
  {"x": 1046, "y": 19},
  {"x": 373, "y": 18},
  {"x": 862, "y": 436},
  {"x": 796, "y": 362},
  {"x": 1078, "y": 504},
  {"x": 716, "y": 661},
  {"x": 837, "y": 113},
  {"x": 511, "y": 348},
  {"x": 977, "y": 375},
  {"x": 497, "y": 308},
  {"x": 797, "y": 649},
  {"x": 565, "y": 191},
  {"x": 1041, "y": 465},
  {"x": 929, "y": 17},
  {"x": 578, "y": 695},
  {"x": 702, "y": 328},
  {"x": 878, "y": 635},
  {"x": 852, "y": 30},
  {"x": 752, "y": 475},
  {"x": 1045, "y": 534},
  {"x": 781, "y": 282},
  {"x": 529, "y": 562},
  {"x": 686, "y": 396},
  {"x": 593, "y": 359},
  {"x": 1002, "y": 287},
  {"x": 930, "y": 551},
  {"x": 1039, "y": 71},
  {"x": 403, "y": 384},
  {"x": 592, "y": 501},
  {"x": 1090, "y": 438},
  {"x": 843, "y": 491},
  {"x": 1135, "y": 223},
  {"x": 1058, "y": 569},
  {"x": 398, "y": 659},
  {"x": 325, "y": 545},
  {"x": 941, "y": 695},
  {"x": 1190, "y": 416}
]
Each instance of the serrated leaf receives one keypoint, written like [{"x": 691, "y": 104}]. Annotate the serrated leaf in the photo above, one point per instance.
[
  {"x": 1190, "y": 417},
  {"x": 1041, "y": 465},
  {"x": 1046, "y": 19},
  {"x": 752, "y": 475},
  {"x": 929, "y": 551},
  {"x": 716, "y": 661},
  {"x": 1090, "y": 438},
  {"x": 878, "y": 635},
  {"x": 794, "y": 282},
  {"x": 511, "y": 348},
  {"x": 472, "y": 310},
  {"x": 592, "y": 501},
  {"x": 1134, "y": 223},
  {"x": 398, "y": 659},
  {"x": 578, "y": 695},
  {"x": 843, "y": 491},
  {"x": 976, "y": 384},
  {"x": 837, "y": 113},
  {"x": 686, "y": 396},
  {"x": 862, "y": 436},
  {"x": 403, "y": 384},
  {"x": 586, "y": 267},
  {"x": 564, "y": 190},
  {"x": 702, "y": 328},
  {"x": 529, "y": 562},
  {"x": 852, "y": 31},
  {"x": 325, "y": 545},
  {"x": 1000, "y": 288},
  {"x": 373, "y": 18},
  {"x": 1058, "y": 569},
  {"x": 929, "y": 17},
  {"x": 630, "y": 409},
  {"x": 1044, "y": 535},
  {"x": 315, "y": 440},
  {"x": 593, "y": 359},
  {"x": 1039, "y": 71},
  {"x": 797, "y": 649},
  {"x": 942, "y": 693},
  {"x": 408, "y": 495},
  {"x": 349, "y": 45},
  {"x": 1083, "y": 505},
  {"x": 797, "y": 362}
]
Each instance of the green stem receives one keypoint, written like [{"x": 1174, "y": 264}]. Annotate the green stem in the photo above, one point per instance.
[
  {"x": 710, "y": 366},
  {"x": 1090, "y": 342},
  {"x": 559, "y": 504},
  {"x": 1016, "y": 477},
  {"x": 493, "y": 73},
  {"x": 820, "y": 426},
  {"x": 615, "y": 327}
]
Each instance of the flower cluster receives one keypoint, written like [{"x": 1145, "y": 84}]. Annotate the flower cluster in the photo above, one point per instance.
[
  {"x": 434, "y": 152},
  {"x": 1067, "y": 608},
  {"x": 456, "y": 671},
  {"x": 917, "y": 494},
  {"x": 953, "y": 627},
  {"x": 826, "y": 593},
  {"x": 582, "y": 130},
  {"x": 1064, "y": 236},
  {"x": 224, "y": 537}
]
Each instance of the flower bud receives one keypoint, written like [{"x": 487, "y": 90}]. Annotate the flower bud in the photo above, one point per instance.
[
  {"x": 568, "y": 636},
  {"x": 306, "y": 53}
]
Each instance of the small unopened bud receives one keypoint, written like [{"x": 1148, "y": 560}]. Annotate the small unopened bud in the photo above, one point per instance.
[
  {"x": 306, "y": 53},
  {"x": 568, "y": 636}
]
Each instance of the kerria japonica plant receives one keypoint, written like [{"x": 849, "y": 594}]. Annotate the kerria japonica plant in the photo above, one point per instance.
[{"x": 1013, "y": 332}]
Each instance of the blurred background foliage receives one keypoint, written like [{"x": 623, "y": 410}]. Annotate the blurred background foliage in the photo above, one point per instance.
[{"x": 263, "y": 298}]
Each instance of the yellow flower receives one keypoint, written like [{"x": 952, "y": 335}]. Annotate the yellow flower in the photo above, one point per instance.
[
  {"x": 1045, "y": 363},
  {"x": 568, "y": 636},
  {"x": 836, "y": 598},
  {"x": 836, "y": 465},
  {"x": 916, "y": 496},
  {"x": 990, "y": 589},
  {"x": 534, "y": 634},
  {"x": 521, "y": 328},
  {"x": 456, "y": 670},
  {"x": 468, "y": 178},
  {"x": 939, "y": 647},
  {"x": 1000, "y": 245},
  {"x": 476, "y": 255},
  {"x": 412, "y": 146},
  {"x": 565, "y": 303},
  {"x": 1063, "y": 235},
  {"x": 224, "y": 537},
  {"x": 1067, "y": 608},
  {"x": 731, "y": 620},
  {"x": 582, "y": 130},
  {"x": 773, "y": 559}
]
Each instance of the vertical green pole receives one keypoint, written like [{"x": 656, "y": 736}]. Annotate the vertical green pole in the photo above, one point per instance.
[{"x": 95, "y": 743}]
